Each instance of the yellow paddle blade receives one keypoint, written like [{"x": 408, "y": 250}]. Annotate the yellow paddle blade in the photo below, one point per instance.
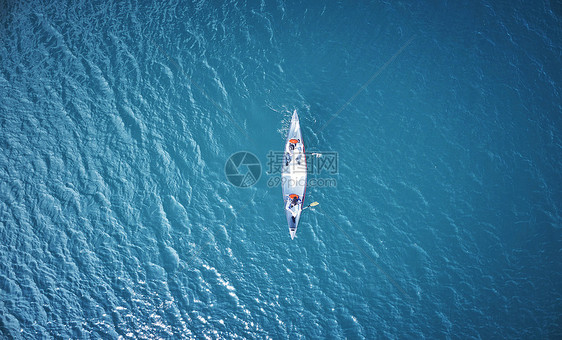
[{"x": 313, "y": 204}]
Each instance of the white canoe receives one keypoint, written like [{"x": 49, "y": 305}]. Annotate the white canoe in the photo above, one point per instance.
[{"x": 293, "y": 178}]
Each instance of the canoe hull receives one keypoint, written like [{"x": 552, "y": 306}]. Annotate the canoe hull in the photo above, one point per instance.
[{"x": 294, "y": 171}]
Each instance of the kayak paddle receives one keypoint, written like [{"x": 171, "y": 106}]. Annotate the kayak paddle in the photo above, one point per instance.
[{"x": 313, "y": 204}]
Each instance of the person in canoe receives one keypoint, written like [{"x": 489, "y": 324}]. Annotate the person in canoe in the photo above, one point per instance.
[
  {"x": 293, "y": 143},
  {"x": 292, "y": 201},
  {"x": 292, "y": 204}
]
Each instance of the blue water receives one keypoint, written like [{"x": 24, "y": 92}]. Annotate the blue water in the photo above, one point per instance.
[{"x": 117, "y": 220}]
